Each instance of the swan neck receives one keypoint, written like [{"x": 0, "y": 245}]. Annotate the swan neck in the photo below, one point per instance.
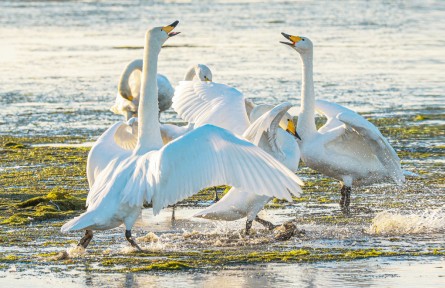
[
  {"x": 124, "y": 84},
  {"x": 149, "y": 128},
  {"x": 190, "y": 74},
  {"x": 306, "y": 121}
]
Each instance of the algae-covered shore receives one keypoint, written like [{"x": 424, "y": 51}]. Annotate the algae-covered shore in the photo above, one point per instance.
[{"x": 43, "y": 185}]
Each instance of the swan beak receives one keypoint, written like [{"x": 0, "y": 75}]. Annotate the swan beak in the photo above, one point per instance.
[
  {"x": 207, "y": 79},
  {"x": 291, "y": 129},
  {"x": 168, "y": 29},
  {"x": 293, "y": 39}
]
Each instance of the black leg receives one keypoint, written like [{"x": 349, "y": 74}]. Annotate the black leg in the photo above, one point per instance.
[
  {"x": 131, "y": 240},
  {"x": 248, "y": 226},
  {"x": 173, "y": 213},
  {"x": 86, "y": 239},
  {"x": 345, "y": 199},
  {"x": 216, "y": 199},
  {"x": 265, "y": 223}
]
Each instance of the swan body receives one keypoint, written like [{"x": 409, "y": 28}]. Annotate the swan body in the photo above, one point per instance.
[
  {"x": 164, "y": 174},
  {"x": 127, "y": 98},
  {"x": 267, "y": 132},
  {"x": 347, "y": 147},
  {"x": 218, "y": 104}
]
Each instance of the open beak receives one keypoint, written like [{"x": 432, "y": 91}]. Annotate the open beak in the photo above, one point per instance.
[
  {"x": 291, "y": 129},
  {"x": 293, "y": 39},
  {"x": 168, "y": 29}
]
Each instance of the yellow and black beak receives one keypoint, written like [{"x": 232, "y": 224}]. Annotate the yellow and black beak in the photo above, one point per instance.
[
  {"x": 207, "y": 79},
  {"x": 293, "y": 39},
  {"x": 291, "y": 129},
  {"x": 168, "y": 29}
]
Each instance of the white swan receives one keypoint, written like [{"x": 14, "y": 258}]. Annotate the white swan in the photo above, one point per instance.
[
  {"x": 347, "y": 147},
  {"x": 268, "y": 133},
  {"x": 127, "y": 98},
  {"x": 221, "y": 105},
  {"x": 163, "y": 175}
]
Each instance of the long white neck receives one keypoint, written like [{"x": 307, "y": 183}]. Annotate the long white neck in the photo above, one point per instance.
[
  {"x": 124, "y": 85},
  {"x": 306, "y": 119},
  {"x": 149, "y": 129},
  {"x": 190, "y": 74}
]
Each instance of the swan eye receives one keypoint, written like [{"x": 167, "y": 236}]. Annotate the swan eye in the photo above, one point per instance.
[{"x": 302, "y": 39}]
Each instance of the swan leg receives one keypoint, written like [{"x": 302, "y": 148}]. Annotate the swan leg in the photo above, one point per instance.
[
  {"x": 173, "y": 213},
  {"x": 216, "y": 199},
  {"x": 86, "y": 239},
  {"x": 248, "y": 226},
  {"x": 265, "y": 223},
  {"x": 131, "y": 240},
  {"x": 128, "y": 115},
  {"x": 345, "y": 199}
]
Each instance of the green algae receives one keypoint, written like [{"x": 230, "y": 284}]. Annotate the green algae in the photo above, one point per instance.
[
  {"x": 57, "y": 198},
  {"x": 55, "y": 205},
  {"x": 163, "y": 266},
  {"x": 140, "y": 262},
  {"x": 9, "y": 258},
  {"x": 34, "y": 173}
]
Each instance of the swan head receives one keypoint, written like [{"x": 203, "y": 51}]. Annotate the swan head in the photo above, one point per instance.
[
  {"x": 203, "y": 72},
  {"x": 287, "y": 124},
  {"x": 198, "y": 72},
  {"x": 157, "y": 36},
  {"x": 299, "y": 43}
]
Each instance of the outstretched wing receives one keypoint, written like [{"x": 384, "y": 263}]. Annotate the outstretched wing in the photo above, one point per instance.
[
  {"x": 330, "y": 110},
  {"x": 210, "y": 156},
  {"x": 211, "y": 103},
  {"x": 379, "y": 145},
  {"x": 115, "y": 141}
]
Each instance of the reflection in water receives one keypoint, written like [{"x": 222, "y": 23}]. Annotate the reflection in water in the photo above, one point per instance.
[{"x": 379, "y": 272}]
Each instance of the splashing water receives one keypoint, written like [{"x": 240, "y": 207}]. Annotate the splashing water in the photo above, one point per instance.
[
  {"x": 75, "y": 251},
  {"x": 387, "y": 223}
]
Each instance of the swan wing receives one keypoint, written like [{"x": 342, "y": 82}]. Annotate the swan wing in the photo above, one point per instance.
[
  {"x": 378, "y": 144},
  {"x": 330, "y": 110},
  {"x": 268, "y": 125},
  {"x": 210, "y": 156},
  {"x": 116, "y": 140},
  {"x": 126, "y": 135},
  {"x": 211, "y": 103}
]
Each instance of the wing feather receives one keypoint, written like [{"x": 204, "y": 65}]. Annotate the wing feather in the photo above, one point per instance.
[
  {"x": 211, "y": 103},
  {"x": 211, "y": 156},
  {"x": 379, "y": 145},
  {"x": 268, "y": 125}
]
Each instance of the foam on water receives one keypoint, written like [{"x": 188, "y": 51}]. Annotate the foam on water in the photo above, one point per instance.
[
  {"x": 75, "y": 251},
  {"x": 388, "y": 223}
]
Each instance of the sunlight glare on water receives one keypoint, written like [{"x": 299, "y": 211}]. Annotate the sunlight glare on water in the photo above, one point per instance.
[{"x": 61, "y": 61}]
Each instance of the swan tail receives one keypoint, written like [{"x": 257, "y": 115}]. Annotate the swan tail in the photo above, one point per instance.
[{"x": 83, "y": 221}]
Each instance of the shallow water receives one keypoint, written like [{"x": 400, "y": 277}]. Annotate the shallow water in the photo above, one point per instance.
[
  {"x": 60, "y": 62},
  {"x": 382, "y": 272}
]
